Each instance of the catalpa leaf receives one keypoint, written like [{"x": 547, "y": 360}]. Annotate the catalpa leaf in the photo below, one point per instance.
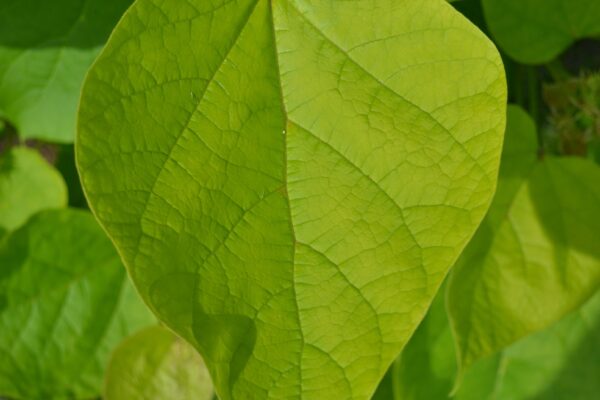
[
  {"x": 46, "y": 48},
  {"x": 557, "y": 363},
  {"x": 535, "y": 257},
  {"x": 536, "y": 31},
  {"x": 65, "y": 302},
  {"x": 287, "y": 192},
  {"x": 28, "y": 184},
  {"x": 156, "y": 364}
]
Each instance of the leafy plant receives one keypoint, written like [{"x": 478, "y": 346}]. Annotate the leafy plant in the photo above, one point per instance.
[
  {"x": 296, "y": 198},
  {"x": 288, "y": 183}
]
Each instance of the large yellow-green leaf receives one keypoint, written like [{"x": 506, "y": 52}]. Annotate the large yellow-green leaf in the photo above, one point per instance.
[
  {"x": 536, "y": 31},
  {"x": 535, "y": 257},
  {"x": 46, "y": 48},
  {"x": 155, "y": 364},
  {"x": 289, "y": 181},
  {"x": 28, "y": 184},
  {"x": 65, "y": 302}
]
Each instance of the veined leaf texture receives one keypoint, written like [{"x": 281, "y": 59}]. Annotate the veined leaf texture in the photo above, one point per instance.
[{"x": 289, "y": 181}]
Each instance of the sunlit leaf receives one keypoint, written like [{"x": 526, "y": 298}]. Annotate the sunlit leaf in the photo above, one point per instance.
[{"x": 288, "y": 192}]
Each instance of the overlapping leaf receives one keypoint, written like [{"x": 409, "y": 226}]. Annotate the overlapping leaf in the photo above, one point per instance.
[
  {"x": 289, "y": 192},
  {"x": 535, "y": 257},
  {"x": 28, "y": 184},
  {"x": 155, "y": 364},
  {"x": 65, "y": 302},
  {"x": 427, "y": 365},
  {"x": 536, "y": 31},
  {"x": 559, "y": 363},
  {"x": 46, "y": 48}
]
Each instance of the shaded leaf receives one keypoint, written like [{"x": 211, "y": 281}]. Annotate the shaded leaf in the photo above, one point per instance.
[
  {"x": 288, "y": 193},
  {"x": 46, "y": 48},
  {"x": 559, "y": 363},
  {"x": 28, "y": 184},
  {"x": 535, "y": 257},
  {"x": 65, "y": 302},
  {"x": 536, "y": 31}
]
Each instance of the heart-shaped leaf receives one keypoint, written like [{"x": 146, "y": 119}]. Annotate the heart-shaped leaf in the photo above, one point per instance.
[
  {"x": 535, "y": 257},
  {"x": 28, "y": 184},
  {"x": 536, "y": 31},
  {"x": 156, "y": 364},
  {"x": 65, "y": 302},
  {"x": 289, "y": 181},
  {"x": 46, "y": 48}
]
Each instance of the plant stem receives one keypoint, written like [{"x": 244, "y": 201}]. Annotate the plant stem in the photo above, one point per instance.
[
  {"x": 518, "y": 84},
  {"x": 533, "y": 86}
]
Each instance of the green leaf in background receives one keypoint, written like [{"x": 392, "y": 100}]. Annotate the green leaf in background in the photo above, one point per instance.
[
  {"x": 28, "y": 184},
  {"x": 288, "y": 193},
  {"x": 65, "y": 302},
  {"x": 46, "y": 48},
  {"x": 535, "y": 257},
  {"x": 536, "y": 31},
  {"x": 559, "y": 363},
  {"x": 155, "y": 364},
  {"x": 385, "y": 391}
]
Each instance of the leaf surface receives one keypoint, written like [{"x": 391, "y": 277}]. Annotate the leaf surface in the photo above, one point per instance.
[
  {"x": 28, "y": 184},
  {"x": 535, "y": 257},
  {"x": 536, "y": 31},
  {"x": 288, "y": 193},
  {"x": 65, "y": 302},
  {"x": 156, "y": 364},
  {"x": 46, "y": 48}
]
